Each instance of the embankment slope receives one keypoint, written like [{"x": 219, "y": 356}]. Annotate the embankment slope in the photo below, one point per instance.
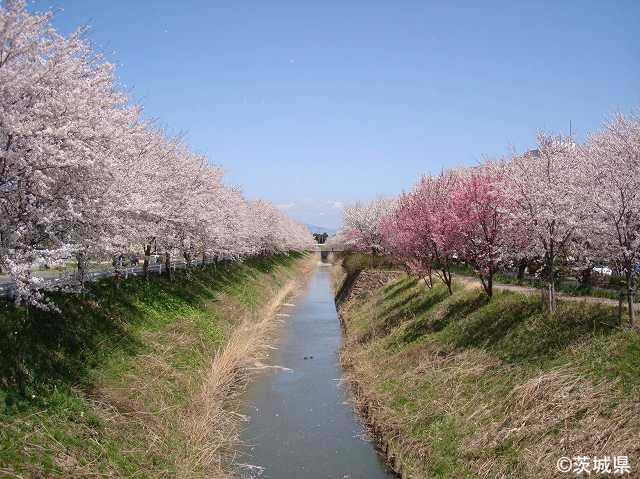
[
  {"x": 456, "y": 386},
  {"x": 137, "y": 381}
]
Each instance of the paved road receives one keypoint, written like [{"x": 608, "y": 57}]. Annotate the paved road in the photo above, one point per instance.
[
  {"x": 52, "y": 278},
  {"x": 7, "y": 285}
]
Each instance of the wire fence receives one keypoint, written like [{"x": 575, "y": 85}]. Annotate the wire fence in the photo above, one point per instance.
[{"x": 53, "y": 279}]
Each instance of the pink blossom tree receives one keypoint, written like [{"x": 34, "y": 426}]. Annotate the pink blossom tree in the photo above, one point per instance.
[
  {"x": 422, "y": 229},
  {"x": 486, "y": 232},
  {"x": 434, "y": 204},
  {"x": 407, "y": 237}
]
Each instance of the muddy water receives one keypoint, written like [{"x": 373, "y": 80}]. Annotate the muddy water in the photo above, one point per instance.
[{"x": 301, "y": 424}]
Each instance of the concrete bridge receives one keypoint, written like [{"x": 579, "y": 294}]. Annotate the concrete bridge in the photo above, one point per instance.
[{"x": 323, "y": 248}]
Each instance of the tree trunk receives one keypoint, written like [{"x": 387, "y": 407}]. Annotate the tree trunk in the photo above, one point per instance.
[
  {"x": 586, "y": 278},
  {"x": 487, "y": 282},
  {"x": 167, "y": 265},
  {"x": 551, "y": 297},
  {"x": 489, "y": 286},
  {"x": 549, "y": 292},
  {"x": 629, "y": 277},
  {"x": 522, "y": 266},
  {"x": 630, "y": 298},
  {"x": 118, "y": 272},
  {"x": 447, "y": 280},
  {"x": 491, "y": 283},
  {"x": 147, "y": 257},
  {"x": 82, "y": 267},
  {"x": 485, "y": 286}
]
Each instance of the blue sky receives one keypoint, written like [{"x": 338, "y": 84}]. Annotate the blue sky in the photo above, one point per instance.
[{"x": 314, "y": 105}]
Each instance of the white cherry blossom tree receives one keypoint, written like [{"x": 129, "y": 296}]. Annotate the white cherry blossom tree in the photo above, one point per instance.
[{"x": 611, "y": 188}]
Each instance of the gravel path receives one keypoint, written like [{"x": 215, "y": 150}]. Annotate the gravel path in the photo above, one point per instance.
[{"x": 529, "y": 290}]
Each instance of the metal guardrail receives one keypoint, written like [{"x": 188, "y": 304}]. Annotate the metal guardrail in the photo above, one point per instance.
[
  {"x": 8, "y": 288},
  {"x": 571, "y": 282},
  {"x": 326, "y": 249}
]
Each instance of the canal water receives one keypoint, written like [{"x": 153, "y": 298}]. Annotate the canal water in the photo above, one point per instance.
[{"x": 301, "y": 424}]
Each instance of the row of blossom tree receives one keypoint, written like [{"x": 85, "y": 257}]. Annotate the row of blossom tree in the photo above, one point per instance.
[
  {"x": 83, "y": 175},
  {"x": 562, "y": 203}
]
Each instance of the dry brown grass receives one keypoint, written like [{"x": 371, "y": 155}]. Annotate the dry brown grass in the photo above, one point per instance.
[
  {"x": 211, "y": 424},
  {"x": 163, "y": 408},
  {"x": 338, "y": 273},
  {"x": 556, "y": 414},
  {"x": 443, "y": 411}
]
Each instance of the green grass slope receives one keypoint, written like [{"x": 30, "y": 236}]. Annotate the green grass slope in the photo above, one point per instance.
[
  {"x": 463, "y": 387},
  {"x": 99, "y": 388}
]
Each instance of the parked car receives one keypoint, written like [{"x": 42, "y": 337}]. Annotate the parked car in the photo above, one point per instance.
[{"x": 602, "y": 270}]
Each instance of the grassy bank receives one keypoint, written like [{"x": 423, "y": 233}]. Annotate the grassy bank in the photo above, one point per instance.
[
  {"x": 115, "y": 384},
  {"x": 457, "y": 386}
]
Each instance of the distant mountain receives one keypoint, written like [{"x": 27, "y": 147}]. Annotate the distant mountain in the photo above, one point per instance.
[{"x": 321, "y": 229}]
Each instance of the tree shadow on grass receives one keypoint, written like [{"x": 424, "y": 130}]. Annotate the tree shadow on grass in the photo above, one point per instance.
[
  {"x": 515, "y": 327},
  {"x": 403, "y": 304},
  {"x": 392, "y": 291},
  {"x": 546, "y": 335},
  {"x": 413, "y": 307},
  {"x": 459, "y": 309},
  {"x": 493, "y": 321},
  {"x": 39, "y": 349},
  {"x": 455, "y": 310}
]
